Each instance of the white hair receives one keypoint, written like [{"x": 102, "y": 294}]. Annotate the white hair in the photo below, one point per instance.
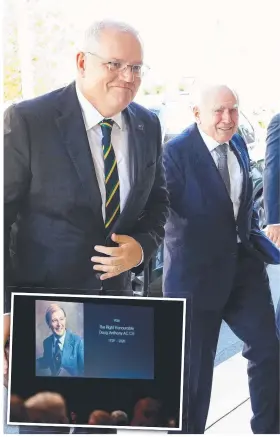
[
  {"x": 93, "y": 32},
  {"x": 201, "y": 89}
]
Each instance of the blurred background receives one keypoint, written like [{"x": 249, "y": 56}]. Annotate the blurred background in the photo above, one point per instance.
[{"x": 237, "y": 42}]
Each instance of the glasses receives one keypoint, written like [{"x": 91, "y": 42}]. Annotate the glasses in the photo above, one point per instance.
[{"x": 138, "y": 70}]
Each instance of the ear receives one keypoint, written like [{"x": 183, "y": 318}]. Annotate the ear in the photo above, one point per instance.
[
  {"x": 81, "y": 63},
  {"x": 196, "y": 113}
]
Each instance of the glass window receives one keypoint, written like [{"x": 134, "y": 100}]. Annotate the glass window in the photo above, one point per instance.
[{"x": 246, "y": 129}]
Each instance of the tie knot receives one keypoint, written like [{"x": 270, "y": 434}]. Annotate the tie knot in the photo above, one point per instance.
[
  {"x": 222, "y": 149},
  {"x": 106, "y": 124}
]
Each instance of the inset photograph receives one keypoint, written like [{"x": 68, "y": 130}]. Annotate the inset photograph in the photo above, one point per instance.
[{"x": 59, "y": 339}]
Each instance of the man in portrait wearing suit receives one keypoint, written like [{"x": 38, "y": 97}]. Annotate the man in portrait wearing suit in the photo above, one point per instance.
[
  {"x": 215, "y": 255},
  {"x": 272, "y": 188},
  {"x": 84, "y": 181},
  {"x": 63, "y": 350}
]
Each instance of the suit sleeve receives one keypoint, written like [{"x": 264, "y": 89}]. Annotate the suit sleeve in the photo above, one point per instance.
[
  {"x": 150, "y": 227},
  {"x": 175, "y": 179},
  {"x": 272, "y": 172},
  {"x": 43, "y": 362},
  {"x": 17, "y": 177}
]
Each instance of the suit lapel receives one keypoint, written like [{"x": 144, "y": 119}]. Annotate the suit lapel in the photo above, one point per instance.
[
  {"x": 238, "y": 153},
  {"x": 67, "y": 349},
  {"x": 136, "y": 133},
  {"x": 71, "y": 126},
  {"x": 49, "y": 349}
]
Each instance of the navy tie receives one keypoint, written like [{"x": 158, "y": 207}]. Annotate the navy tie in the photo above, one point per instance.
[
  {"x": 112, "y": 182},
  {"x": 57, "y": 356}
]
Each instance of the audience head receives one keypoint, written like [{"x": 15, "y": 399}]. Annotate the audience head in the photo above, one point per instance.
[
  {"x": 100, "y": 417},
  {"x": 147, "y": 412},
  {"x": 119, "y": 418},
  {"x": 73, "y": 416},
  {"x": 18, "y": 411},
  {"x": 46, "y": 407}
]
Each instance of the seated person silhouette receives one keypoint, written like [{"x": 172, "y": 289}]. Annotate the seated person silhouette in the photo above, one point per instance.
[{"x": 63, "y": 350}]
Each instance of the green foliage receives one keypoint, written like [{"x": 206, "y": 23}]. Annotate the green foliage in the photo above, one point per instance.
[{"x": 12, "y": 80}]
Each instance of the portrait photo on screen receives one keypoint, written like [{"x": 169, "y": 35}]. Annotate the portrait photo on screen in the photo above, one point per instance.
[{"x": 59, "y": 338}]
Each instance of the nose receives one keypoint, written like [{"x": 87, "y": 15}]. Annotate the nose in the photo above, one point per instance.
[
  {"x": 227, "y": 116},
  {"x": 127, "y": 74}
]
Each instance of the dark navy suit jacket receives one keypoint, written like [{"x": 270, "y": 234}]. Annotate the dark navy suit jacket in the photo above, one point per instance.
[
  {"x": 201, "y": 233},
  {"x": 72, "y": 355},
  {"x": 52, "y": 194},
  {"x": 272, "y": 172}
]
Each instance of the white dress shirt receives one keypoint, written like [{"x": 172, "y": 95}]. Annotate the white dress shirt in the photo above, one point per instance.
[
  {"x": 119, "y": 137},
  {"x": 61, "y": 341},
  {"x": 235, "y": 172}
]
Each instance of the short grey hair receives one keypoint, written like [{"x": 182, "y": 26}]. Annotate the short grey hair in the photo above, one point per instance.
[
  {"x": 93, "y": 32},
  {"x": 119, "y": 417},
  {"x": 201, "y": 88}
]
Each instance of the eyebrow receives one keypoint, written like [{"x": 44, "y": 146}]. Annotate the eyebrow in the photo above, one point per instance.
[
  {"x": 122, "y": 60},
  {"x": 223, "y": 107}
]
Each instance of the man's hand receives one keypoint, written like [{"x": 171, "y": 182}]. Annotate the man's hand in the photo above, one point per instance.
[
  {"x": 119, "y": 259},
  {"x": 6, "y": 348},
  {"x": 273, "y": 233},
  {"x": 6, "y": 365}
]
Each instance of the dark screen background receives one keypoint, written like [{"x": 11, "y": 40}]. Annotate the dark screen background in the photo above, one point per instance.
[
  {"x": 128, "y": 356},
  {"x": 85, "y": 394}
]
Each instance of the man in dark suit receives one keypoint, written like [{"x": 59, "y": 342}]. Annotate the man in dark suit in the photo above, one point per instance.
[
  {"x": 215, "y": 254},
  {"x": 63, "y": 350},
  {"x": 84, "y": 180},
  {"x": 272, "y": 188}
]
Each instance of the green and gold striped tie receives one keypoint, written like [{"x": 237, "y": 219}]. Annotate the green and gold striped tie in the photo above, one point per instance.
[{"x": 112, "y": 182}]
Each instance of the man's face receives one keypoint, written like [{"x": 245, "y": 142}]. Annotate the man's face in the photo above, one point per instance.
[
  {"x": 218, "y": 115},
  {"x": 58, "y": 323},
  {"x": 109, "y": 91}
]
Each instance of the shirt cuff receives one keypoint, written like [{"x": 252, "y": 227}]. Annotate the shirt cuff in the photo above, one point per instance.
[{"x": 142, "y": 258}]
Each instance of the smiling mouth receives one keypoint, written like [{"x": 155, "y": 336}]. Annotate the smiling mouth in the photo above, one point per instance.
[
  {"x": 226, "y": 128},
  {"x": 123, "y": 87}
]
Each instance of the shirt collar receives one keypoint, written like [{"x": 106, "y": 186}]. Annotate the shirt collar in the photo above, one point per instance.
[
  {"x": 209, "y": 141},
  {"x": 90, "y": 114},
  {"x": 61, "y": 339}
]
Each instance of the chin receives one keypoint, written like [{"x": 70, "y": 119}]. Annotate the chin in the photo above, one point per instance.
[{"x": 122, "y": 100}]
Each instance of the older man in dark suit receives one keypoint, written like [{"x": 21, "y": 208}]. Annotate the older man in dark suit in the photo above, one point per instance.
[
  {"x": 215, "y": 255},
  {"x": 84, "y": 180}
]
